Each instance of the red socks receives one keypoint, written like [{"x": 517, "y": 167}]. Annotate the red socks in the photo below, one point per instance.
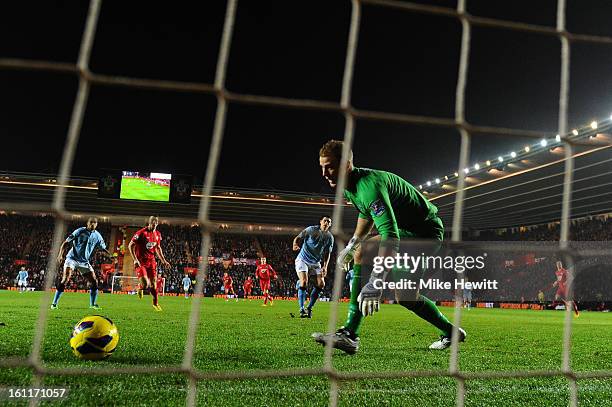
[{"x": 153, "y": 292}]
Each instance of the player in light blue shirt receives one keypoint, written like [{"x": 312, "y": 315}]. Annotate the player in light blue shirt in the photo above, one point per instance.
[
  {"x": 186, "y": 285},
  {"x": 22, "y": 279},
  {"x": 316, "y": 241},
  {"x": 82, "y": 242}
]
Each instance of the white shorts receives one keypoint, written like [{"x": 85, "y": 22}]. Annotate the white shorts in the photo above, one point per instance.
[
  {"x": 22, "y": 283},
  {"x": 186, "y": 287},
  {"x": 302, "y": 267},
  {"x": 82, "y": 267}
]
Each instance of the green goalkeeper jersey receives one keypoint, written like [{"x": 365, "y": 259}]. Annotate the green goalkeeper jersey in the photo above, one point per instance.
[{"x": 397, "y": 208}]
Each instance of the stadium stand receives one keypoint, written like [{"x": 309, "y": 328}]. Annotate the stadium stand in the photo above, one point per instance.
[{"x": 26, "y": 240}]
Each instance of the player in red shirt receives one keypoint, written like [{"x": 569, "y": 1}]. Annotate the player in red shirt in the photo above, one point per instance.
[
  {"x": 160, "y": 285},
  {"x": 143, "y": 247},
  {"x": 264, "y": 273},
  {"x": 228, "y": 286},
  {"x": 248, "y": 287},
  {"x": 561, "y": 284}
]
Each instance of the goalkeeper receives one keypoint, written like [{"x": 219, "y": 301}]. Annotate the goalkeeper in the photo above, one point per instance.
[{"x": 398, "y": 210}]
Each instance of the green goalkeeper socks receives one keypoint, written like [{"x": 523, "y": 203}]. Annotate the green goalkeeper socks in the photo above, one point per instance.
[
  {"x": 423, "y": 307},
  {"x": 353, "y": 320},
  {"x": 428, "y": 310}
]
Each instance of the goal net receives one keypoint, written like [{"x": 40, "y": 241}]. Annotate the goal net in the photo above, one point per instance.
[
  {"x": 129, "y": 285},
  {"x": 351, "y": 114}
]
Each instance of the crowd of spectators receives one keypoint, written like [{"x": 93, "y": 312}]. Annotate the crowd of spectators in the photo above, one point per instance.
[
  {"x": 594, "y": 229},
  {"x": 592, "y": 282},
  {"x": 27, "y": 239},
  {"x": 232, "y": 245},
  {"x": 176, "y": 244},
  {"x": 522, "y": 282}
]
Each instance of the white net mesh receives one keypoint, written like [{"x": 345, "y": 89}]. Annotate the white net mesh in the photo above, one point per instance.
[{"x": 351, "y": 114}]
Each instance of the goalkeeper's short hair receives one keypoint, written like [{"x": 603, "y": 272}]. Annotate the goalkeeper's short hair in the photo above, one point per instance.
[{"x": 333, "y": 148}]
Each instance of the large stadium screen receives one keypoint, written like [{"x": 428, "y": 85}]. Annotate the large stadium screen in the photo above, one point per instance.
[{"x": 145, "y": 186}]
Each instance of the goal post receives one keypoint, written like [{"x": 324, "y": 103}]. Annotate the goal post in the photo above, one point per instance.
[{"x": 129, "y": 285}]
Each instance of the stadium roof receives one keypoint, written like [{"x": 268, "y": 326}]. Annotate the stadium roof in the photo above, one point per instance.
[
  {"x": 526, "y": 191},
  {"x": 34, "y": 193},
  {"x": 529, "y": 191}
]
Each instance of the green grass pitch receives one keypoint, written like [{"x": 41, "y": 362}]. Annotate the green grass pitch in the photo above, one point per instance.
[
  {"x": 245, "y": 336},
  {"x": 136, "y": 188}
]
